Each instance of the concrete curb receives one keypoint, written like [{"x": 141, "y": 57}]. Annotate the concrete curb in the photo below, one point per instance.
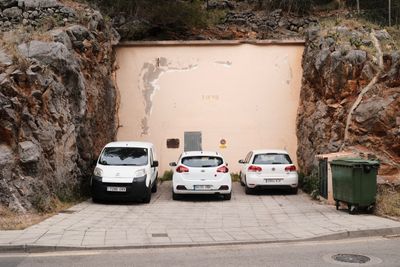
[{"x": 28, "y": 248}]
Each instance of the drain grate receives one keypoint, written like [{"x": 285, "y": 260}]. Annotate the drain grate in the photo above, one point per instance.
[
  {"x": 159, "y": 235},
  {"x": 351, "y": 258},
  {"x": 67, "y": 211}
]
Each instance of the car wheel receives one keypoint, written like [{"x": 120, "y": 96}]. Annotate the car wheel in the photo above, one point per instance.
[
  {"x": 154, "y": 187},
  {"x": 240, "y": 179},
  {"x": 95, "y": 199},
  {"x": 175, "y": 196},
  {"x": 147, "y": 196},
  {"x": 294, "y": 191},
  {"x": 248, "y": 190},
  {"x": 228, "y": 196}
]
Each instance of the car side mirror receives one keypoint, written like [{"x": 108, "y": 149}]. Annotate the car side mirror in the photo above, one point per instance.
[
  {"x": 242, "y": 161},
  {"x": 155, "y": 164},
  {"x": 172, "y": 164}
]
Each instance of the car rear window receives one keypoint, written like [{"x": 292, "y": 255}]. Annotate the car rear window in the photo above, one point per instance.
[
  {"x": 272, "y": 158},
  {"x": 202, "y": 161},
  {"x": 124, "y": 156}
]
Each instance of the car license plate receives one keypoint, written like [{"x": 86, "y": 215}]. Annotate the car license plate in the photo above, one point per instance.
[
  {"x": 116, "y": 189},
  {"x": 202, "y": 187},
  {"x": 272, "y": 181}
]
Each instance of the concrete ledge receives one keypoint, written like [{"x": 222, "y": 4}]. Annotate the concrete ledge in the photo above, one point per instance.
[
  {"x": 212, "y": 42},
  {"x": 27, "y": 248}
]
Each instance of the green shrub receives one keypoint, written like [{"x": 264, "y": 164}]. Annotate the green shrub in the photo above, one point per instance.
[
  {"x": 235, "y": 177},
  {"x": 167, "y": 176},
  {"x": 310, "y": 183}
]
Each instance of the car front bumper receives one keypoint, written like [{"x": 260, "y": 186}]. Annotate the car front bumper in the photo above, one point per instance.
[{"x": 134, "y": 191}]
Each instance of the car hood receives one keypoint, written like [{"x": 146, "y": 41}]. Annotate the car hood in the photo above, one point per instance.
[{"x": 119, "y": 174}]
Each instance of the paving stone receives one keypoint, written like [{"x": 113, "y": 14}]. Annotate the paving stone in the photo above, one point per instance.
[{"x": 243, "y": 218}]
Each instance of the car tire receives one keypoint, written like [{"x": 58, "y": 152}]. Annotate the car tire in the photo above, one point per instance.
[
  {"x": 147, "y": 197},
  {"x": 154, "y": 187},
  {"x": 175, "y": 196},
  {"x": 95, "y": 199},
  {"x": 248, "y": 190},
  {"x": 228, "y": 196},
  {"x": 294, "y": 191},
  {"x": 241, "y": 182}
]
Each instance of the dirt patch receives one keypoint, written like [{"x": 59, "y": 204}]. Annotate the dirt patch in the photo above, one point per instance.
[{"x": 10, "y": 220}]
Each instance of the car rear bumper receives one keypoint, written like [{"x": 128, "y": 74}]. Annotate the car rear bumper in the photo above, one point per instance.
[
  {"x": 184, "y": 186},
  {"x": 134, "y": 191},
  {"x": 201, "y": 192},
  {"x": 290, "y": 181}
]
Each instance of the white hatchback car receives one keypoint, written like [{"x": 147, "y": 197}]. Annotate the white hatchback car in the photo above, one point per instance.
[
  {"x": 268, "y": 169},
  {"x": 125, "y": 171},
  {"x": 201, "y": 172}
]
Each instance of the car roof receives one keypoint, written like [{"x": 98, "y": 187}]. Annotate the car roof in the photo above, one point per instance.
[
  {"x": 264, "y": 151},
  {"x": 130, "y": 144},
  {"x": 200, "y": 153}
]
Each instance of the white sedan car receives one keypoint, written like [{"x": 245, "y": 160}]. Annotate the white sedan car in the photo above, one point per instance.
[
  {"x": 268, "y": 169},
  {"x": 201, "y": 172}
]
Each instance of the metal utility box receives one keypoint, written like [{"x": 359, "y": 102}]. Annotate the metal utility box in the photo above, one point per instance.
[
  {"x": 325, "y": 173},
  {"x": 354, "y": 183}
]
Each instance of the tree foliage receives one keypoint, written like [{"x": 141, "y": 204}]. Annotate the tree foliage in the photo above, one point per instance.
[
  {"x": 291, "y": 6},
  {"x": 378, "y": 10},
  {"x": 162, "y": 13}
]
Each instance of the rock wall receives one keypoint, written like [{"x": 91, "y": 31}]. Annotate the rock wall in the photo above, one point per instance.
[
  {"x": 342, "y": 65},
  {"x": 57, "y": 100}
]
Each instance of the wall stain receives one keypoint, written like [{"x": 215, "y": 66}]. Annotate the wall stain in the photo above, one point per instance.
[
  {"x": 149, "y": 76},
  {"x": 283, "y": 61},
  {"x": 226, "y": 63}
]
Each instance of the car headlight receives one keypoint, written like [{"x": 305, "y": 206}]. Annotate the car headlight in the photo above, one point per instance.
[
  {"x": 98, "y": 172},
  {"x": 140, "y": 173}
]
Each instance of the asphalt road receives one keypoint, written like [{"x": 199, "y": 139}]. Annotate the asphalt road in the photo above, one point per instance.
[{"x": 382, "y": 251}]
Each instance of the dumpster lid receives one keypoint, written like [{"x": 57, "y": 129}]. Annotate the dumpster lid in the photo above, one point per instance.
[{"x": 354, "y": 161}]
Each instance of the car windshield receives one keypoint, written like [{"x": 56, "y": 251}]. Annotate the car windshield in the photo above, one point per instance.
[
  {"x": 124, "y": 156},
  {"x": 272, "y": 158},
  {"x": 202, "y": 161}
]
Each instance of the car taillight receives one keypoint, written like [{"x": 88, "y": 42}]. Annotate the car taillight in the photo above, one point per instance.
[
  {"x": 290, "y": 168},
  {"x": 223, "y": 169},
  {"x": 182, "y": 169},
  {"x": 253, "y": 168}
]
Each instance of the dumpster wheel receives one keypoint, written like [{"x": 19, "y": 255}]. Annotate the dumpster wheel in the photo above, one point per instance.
[
  {"x": 371, "y": 209},
  {"x": 352, "y": 208}
]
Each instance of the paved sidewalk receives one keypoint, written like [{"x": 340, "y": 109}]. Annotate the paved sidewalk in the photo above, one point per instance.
[{"x": 195, "y": 221}]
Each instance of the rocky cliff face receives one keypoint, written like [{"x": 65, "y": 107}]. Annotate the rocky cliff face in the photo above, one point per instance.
[
  {"x": 57, "y": 100},
  {"x": 350, "y": 97}
]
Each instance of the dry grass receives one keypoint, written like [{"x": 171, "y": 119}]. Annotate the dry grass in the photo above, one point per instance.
[
  {"x": 388, "y": 201},
  {"x": 10, "y": 220},
  {"x": 13, "y": 221},
  {"x": 395, "y": 34}
]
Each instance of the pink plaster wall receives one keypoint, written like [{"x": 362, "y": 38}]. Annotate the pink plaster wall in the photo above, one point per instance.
[{"x": 246, "y": 94}]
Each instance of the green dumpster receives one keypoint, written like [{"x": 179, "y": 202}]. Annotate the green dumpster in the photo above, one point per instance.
[{"x": 354, "y": 183}]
